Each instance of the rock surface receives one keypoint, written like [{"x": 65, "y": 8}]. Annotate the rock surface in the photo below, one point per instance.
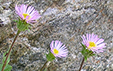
[{"x": 64, "y": 20}]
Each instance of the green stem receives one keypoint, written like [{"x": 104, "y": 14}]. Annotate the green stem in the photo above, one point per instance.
[
  {"x": 42, "y": 69},
  {"x": 81, "y": 64},
  {"x": 7, "y": 54}
]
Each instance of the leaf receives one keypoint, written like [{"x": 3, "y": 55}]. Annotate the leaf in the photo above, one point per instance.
[
  {"x": 86, "y": 53},
  {"x": 7, "y": 68},
  {"x": 28, "y": 30},
  {"x": 4, "y": 57},
  {"x": 22, "y": 25},
  {"x": 83, "y": 45},
  {"x": 1, "y": 66},
  {"x": 50, "y": 56},
  {"x": 15, "y": 21},
  {"x": 85, "y": 59}
]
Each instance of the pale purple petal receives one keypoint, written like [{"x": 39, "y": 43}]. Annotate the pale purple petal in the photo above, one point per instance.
[
  {"x": 100, "y": 45},
  {"x": 60, "y": 47},
  {"x": 100, "y": 41},
  {"x": 29, "y": 11}
]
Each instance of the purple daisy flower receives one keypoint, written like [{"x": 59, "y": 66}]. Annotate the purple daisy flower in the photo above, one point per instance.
[
  {"x": 58, "y": 49},
  {"x": 27, "y": 13},
  {"x": 92, "y": 42}
]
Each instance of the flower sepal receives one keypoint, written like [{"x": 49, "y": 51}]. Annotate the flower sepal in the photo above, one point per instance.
[
  {"x": 22, "y": 25},
  {"x": 86, "y": 53},
  {"x": 50, "y": 56}
]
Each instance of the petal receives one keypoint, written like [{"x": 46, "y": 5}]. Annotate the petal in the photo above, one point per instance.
[
  {"x": 56, "y": 43},
  {"x": 30, "y": 9},
  {"x": 99, "y": 41}
]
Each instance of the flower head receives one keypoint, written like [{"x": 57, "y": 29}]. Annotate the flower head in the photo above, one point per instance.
[
  {"x": 58, "y": 49},
  {"x": 92, "y": 42},
  {"x": 27, "y": 13}
]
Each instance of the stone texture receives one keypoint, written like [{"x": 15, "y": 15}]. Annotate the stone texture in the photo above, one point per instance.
[{"x": 64, "y": 20}]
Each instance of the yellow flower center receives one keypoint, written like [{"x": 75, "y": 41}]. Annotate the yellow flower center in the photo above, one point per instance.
[
  {"x": 91, "y": 44},
  {"x": 55, "y": 51},
  {"x": 25, "y": 15}
]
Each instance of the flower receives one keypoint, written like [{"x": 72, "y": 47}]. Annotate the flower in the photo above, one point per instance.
[
  {"x": 58, "y": 49},
  {"x": 92, "y": 42},
  {"x": 27, "y": 13}
]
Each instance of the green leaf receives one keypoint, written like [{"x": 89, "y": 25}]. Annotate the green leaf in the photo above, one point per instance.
[
  {"x": 22, "y": 25},
  {"x": 83, "y": 45},
  {"x": 85, "y": 59},
  {"x": 86, "y": 53},
  {"x": 1, "y": 66},
  {"x": 7, "y": 68},
  {"x": 4, "y": 57},
  {"x": 50, "y": 56},
  {"x": 15, "y": 21},
  {"x": 28, "y": 30}
]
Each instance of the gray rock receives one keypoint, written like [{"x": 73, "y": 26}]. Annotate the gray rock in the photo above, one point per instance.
[{"x": 64, "y": 20}]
